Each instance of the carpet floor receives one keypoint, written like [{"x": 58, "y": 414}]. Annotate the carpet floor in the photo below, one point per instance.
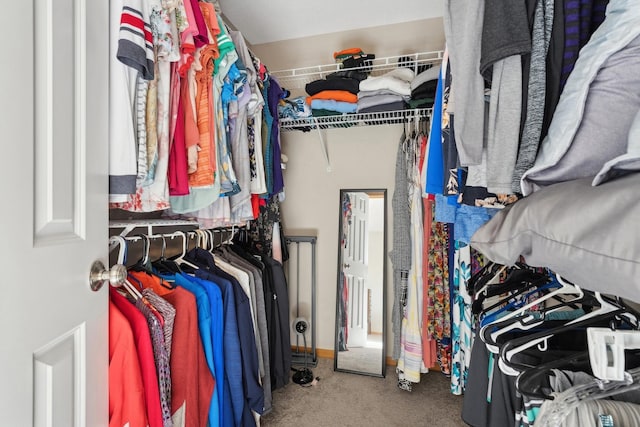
[{"x": 342, "y": 399}]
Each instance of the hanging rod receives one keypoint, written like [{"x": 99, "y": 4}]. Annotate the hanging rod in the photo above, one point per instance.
[{"x": 149, "y": 224}]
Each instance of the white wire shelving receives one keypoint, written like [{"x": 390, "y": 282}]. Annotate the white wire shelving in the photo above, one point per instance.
[
  {"x": 298, "y": 77},
  {"x": 353, "y": 119}
]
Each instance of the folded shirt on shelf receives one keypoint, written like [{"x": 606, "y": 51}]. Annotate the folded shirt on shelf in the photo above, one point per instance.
[
  {"x": 425, "y": 90},
  {"x": 379, "y": 92},
  {"x": 349, "y": 74},
  {"x": 397, "y": 80},
  {"x": 333, "y": 105},
  {"x": 373, "y": 101},
  {"x": 338, "y": 95},
  {"x": 420, "y": 103},
  {"x": 428, "y": 75},
  {"x": 357, "y": 61},
  {"x": 391, "y": 106},
  {"x": 346, "y": 53},
  {"x": 324, "y": 113},
  {"x": 346, "y": 84}
]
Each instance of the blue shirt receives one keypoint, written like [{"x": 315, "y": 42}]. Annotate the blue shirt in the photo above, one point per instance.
[
  {"x": 217, "y": 334},
  {"x": 234, "y": 395},
  {"x": 435, "y": 158},
  {"x": 204, "y": 325}
]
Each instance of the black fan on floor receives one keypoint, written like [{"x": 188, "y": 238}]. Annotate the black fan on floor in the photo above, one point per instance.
[{"x": 302, "y": 376}]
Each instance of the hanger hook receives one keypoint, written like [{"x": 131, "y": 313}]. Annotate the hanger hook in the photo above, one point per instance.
[
  {"x": 184, "y": 242},
  {"x": 164, "y": 246},
  {"x": 146, "y": 245},
  {"x": 122, "y": 251}
]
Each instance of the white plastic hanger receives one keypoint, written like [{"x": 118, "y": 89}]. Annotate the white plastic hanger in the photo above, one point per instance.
[
  {"x": 605, "y": 307},
  {"x": 565, "y": 288},
  {"x": 122, "y": 256},
  {"x": 606, "y": 351},
  {"x": 180, "y": 259},
  {"x": 529, "y": 321}
]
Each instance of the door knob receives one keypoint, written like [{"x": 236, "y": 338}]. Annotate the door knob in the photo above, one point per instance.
[
  {"x": 99, "y": 275},
  {"x": 345, "y": 265}
]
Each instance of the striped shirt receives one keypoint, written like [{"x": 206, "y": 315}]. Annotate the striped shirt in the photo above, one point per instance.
[{"x": 135, "y": 44}]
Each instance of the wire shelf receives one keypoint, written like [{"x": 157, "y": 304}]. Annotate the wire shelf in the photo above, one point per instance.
[
  {"x": 299, "y": 77},
  {"x": 351, "y": 120}
]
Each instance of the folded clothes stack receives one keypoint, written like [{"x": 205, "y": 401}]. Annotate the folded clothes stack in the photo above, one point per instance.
[
  {"x": 423, "y": 88},
  {"x": 388, "y": 92},
  {"x": 354, "y": 58},
  {"x": 338, "y": 92}
]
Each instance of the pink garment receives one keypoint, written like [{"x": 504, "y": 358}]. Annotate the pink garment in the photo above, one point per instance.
[
  {"x": 187, "y": 43},
  {"x": 178, "y": 175},
  {"x": 201, "y": 39}
]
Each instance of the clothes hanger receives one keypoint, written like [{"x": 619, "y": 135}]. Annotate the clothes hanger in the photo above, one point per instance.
[
  {"x": 517, "y": 282},
  {"x": 203, "y": 239},
  {"x": 607, "y": 311},
  {"x": 163, "y": 265},
  {"x": 557, "y": 410},
  {"x": 143, "y": 264},
  {"x": 523, "y": 322},
  {"x": 122, "y": 258},
  {"x": 179, "y": 260},
  {"x": 478, "y": 280},
  {"x": 531, "y": 381},
  {"x": 565, "y": 288}
]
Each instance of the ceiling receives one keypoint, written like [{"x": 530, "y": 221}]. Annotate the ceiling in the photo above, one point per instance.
[{"x": 275, "y": 20}]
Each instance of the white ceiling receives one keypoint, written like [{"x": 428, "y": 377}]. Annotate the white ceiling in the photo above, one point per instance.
[{"x": 274, "y": 20}]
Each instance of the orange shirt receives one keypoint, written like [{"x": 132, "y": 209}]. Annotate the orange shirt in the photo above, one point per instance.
[
  {"x": 206, "y": 164},
  {"x": 191, "y": 381},
  {"x": 337, "y": 95}
]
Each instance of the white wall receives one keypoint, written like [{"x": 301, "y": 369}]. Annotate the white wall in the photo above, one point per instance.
[{"x": 361, "y": 157}]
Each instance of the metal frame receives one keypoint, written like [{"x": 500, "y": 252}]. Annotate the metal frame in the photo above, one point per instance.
[
  {"x": 298, "y": 358},
  {"x": 384, "y": 284}
]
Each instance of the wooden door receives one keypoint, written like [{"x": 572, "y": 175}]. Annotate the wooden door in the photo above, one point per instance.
[
  {"x": 53, "y": 223},
  {"x": 355, "y": 265}
]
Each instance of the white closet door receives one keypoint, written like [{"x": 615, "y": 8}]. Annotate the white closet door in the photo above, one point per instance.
[
  {"x": 54, "y": 219},
  {"x": 356, "y": 266}
]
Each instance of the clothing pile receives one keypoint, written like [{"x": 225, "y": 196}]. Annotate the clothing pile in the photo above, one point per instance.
[
  {"x": 193, "y": 120},
  {"x": 199, "y": 342},
  {"x": 338, "y": 92}
]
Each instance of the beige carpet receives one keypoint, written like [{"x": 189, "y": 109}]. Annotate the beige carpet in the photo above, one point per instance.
[{"x": 341, "y": 399}]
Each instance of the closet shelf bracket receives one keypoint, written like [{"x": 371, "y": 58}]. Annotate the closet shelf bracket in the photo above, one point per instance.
[{"x": 324, "y": 148}]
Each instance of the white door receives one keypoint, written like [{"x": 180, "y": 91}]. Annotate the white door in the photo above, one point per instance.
[
  {"x": 355, "y": 265},
  {"x": 53, "y": 222}
]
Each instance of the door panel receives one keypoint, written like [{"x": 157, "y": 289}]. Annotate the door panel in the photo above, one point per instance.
[
  {"x": 356, "y": 267},
  {"x": 53, "y": 223},
  {"x": 60, "y": 134}
]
